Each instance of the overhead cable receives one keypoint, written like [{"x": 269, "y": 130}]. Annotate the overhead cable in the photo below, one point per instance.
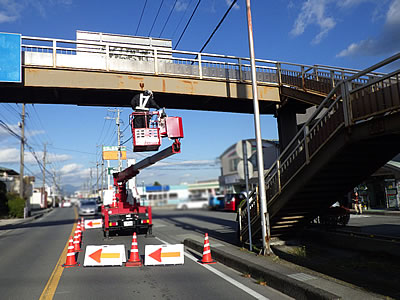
[
  {"x": 187, "y": 24},
  {"x": 156, "y": 17},
  {"x": 141, "y": 16},
  {"x": 166, "y": 22},
  {"x": 219, "y": 24}
]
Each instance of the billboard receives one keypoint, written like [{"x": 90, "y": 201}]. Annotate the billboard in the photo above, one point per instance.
[
  {"x": 10, "y": 57},
  {"x": 111, "y": 152}
]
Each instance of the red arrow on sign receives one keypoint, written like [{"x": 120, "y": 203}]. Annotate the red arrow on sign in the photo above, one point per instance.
[
  {"x": 157, "y": 254},
  {"x": 90, "y": 224},
  {"x": 97, "y": 255}
]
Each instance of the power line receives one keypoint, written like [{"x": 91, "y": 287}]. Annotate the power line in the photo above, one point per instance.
[
  {"x": 187, "y": 24},
  {"x": 219, "y": 24},
  {"x": 141, "y": 16},
  {"x": 156, "y": 17},
  {"x": 170, "y": 13},
  {"x": 126, "y": 141},
  {"x": 180, "y": 21}
]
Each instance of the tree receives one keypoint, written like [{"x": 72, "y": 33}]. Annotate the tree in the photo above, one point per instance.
[{"x": 156, "y": 183}]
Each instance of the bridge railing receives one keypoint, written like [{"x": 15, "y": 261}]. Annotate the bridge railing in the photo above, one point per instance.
[
  {"x": 118, "y": 57},
  {"x": 353, "y": 100}
]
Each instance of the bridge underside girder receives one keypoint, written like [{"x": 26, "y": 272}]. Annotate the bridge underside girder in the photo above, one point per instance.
[{"x": 99, "y": 88}]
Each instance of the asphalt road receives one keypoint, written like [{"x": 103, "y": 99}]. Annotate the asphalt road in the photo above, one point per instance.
[
  {"x": 375, "y": 224},
  {"x": 31, "y": 252}
]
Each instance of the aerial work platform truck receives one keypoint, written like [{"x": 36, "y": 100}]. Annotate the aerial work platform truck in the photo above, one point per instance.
[{"x": 122, "y": 215}]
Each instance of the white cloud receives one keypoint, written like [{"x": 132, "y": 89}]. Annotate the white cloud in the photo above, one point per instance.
[
  {"x": 388, "y": 41},
  {"x": 17, "y": 130},
  {"x": 186, "y": 163},
  {"x": 4, "y": 17},
  {"x": 12, "y": 155},
  {"x": 74, "y": 170},
  {"x": 313, "y": 13},
  {"x": 11, "y": 10},
  {"x": 181, "y": 5},
  {"x": 229, "y": 2}
]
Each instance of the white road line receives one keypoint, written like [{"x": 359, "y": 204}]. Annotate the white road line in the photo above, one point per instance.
[{"x": 223, "y": 276}]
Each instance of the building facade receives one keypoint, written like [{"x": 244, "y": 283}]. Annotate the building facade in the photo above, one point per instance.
[{"x": 231, "y": 179}]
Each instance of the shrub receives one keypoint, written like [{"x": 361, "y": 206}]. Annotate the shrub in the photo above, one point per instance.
[
  {"x": 3, "y": 200},
  {"x": 15, "y": 205}
]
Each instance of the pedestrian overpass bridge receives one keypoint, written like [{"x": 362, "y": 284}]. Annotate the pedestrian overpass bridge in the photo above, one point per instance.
[
  {"x": 354, "y": 131},
  {"x": 57, "y": 71}
]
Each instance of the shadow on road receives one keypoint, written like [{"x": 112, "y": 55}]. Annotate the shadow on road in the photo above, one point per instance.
[
  {"x": 38, "y": 224},
  {"x": 226, "y": 233}
]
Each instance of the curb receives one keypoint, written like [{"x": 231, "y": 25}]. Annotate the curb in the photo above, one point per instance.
[
  {"x": 275, "y": 280},
  {"x": 27, "y": 220}
]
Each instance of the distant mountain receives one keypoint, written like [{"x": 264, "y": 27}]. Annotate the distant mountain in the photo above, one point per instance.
[{"x": 69, "y": 189}]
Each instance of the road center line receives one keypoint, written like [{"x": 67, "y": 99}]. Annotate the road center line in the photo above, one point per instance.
[
  {"x": 51, "y": 286},
  {"x": 224, "y": 276}
]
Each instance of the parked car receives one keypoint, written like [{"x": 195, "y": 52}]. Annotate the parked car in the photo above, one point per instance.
[
  {"x": 88, "y": 207},
  {"x": 193, "y": 203},
  {"x": 66, "y": 203},
  {"x": 216, "y": 202},
  {"x": 232, "y": 201}
]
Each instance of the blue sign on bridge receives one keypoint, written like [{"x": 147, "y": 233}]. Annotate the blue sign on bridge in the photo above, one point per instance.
[{"x": 10, "y": 57}]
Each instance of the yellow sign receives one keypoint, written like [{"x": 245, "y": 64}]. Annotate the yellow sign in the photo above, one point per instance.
[{"x": 113, "y": 155}]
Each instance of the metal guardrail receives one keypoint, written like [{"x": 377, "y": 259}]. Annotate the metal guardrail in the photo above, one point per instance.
[
  {"x": 353, "y": 100},
  {"x": 117, "y": 57}
]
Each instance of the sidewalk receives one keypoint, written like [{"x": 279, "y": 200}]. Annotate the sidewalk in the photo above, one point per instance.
[
  {"x": 16, "y": 221},
  {"x": 385, "y": 212},
  {"x": 293, "y": 280}
]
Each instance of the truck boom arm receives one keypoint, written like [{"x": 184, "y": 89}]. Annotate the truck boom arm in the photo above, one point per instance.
[{"x": 133, "y": 170}]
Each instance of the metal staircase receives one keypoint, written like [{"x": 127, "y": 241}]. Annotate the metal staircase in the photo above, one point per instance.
[{"x": 353, "y": 132}]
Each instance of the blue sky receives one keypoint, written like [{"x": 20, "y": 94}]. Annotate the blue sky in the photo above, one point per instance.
[{"x": 348, "y": 33}]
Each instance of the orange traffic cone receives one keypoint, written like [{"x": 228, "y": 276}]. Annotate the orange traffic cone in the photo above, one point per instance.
[
  {"x": 134, "y": 259},
  {"x": 207, "y": 252},
  {"x": 77, "y": 246},
  {"x": 71, "y": 262},
  {"x": 78, "y": 234},
  {"x": 82, "y": 224}
]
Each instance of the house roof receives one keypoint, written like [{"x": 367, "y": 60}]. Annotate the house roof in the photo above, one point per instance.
[{"x": 8, "y": 171}]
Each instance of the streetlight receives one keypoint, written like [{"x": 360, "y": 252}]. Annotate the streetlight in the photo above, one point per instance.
[{"x": 260, "y": 161}]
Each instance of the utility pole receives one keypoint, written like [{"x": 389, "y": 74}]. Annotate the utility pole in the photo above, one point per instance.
[
  {"x": 97, "y": 177},
  {"x": 21, "y": 166},
  {"x": 118, "y": 123},
  {"x": 44, "y": 177},
  {"x": 90, "y": 182},
  {"x": 119, "y": 141},
  {"x": 260, "y": 160},
  {"x": 102, "y": 172}
]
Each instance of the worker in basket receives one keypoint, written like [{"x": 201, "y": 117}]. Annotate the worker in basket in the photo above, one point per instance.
[{"x": 142, "y": 103}]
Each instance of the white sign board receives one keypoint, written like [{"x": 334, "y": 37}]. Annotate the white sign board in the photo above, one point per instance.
[
  {"x": 239, "y": 149},
  {"x": 164, "y": 255},
  {"x": 104, "y": 255},
  {"x": 240, "y": 169},
  {"x": 95, "y": 223}
]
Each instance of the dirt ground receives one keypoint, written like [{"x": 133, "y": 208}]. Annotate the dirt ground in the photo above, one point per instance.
[{"x": 377, "y": 273}]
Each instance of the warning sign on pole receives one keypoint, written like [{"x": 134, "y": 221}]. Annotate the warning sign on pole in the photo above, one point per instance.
[
  {"x": 164, "y": 255},
  {"x": 95, "y": 223},
  {"x": 104, "y": 255}
]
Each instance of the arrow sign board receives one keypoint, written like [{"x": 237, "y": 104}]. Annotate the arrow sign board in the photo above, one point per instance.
[
  {"x": 104, "y": 255},
  {"x": 163, "y": 255},
  {"x": 95, "y": 223}
]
